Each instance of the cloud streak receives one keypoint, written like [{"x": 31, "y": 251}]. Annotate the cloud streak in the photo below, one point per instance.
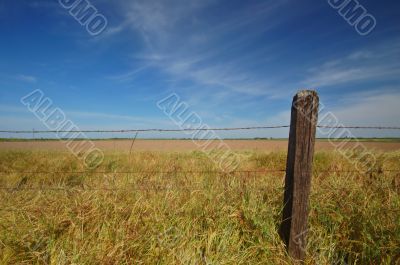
[
  {"x": 26, "y": 78},
  {"x": 178, "y": 44},
  {"x": 377, "y": 63}
]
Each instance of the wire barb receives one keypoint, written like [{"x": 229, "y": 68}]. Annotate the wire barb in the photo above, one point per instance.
[{"x": 200, "y": 129}]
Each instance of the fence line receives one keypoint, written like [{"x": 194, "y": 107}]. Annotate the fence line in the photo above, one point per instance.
[
  {"x": 145, "y": 172},
  {"x": 191, "y": 172},
  {"x": 198, "y": 187},
  {"x": 150, "y": 130},
  {"x": 157, "y": 186},
  {"x": 200, "y": 129},
  {"x": 359, "y": 127},
  {"x": 298, "y": 172}
]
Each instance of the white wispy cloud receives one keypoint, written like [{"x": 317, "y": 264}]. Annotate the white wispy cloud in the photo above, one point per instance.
[
  {"x": 375, "y": 107},
  {"x": 26, "y": 78},
  {"x": 128, "y": 76},
  {"x": 97, "y": 120},
  {"x": 183, "y": 45},
  {"x": 115, "y": 117},
  {"x": 378, "y": 107},
  {"x": 373, "y": 64}
]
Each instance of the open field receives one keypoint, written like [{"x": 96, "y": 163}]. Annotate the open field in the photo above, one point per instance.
[
  {"x": 175, "y": 209},
  {"x": 199, "y": 132},
  {"x": 188, "y": 145}
]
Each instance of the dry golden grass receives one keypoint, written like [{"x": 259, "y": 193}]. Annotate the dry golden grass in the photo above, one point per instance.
[{"x": 190, "y": 218}]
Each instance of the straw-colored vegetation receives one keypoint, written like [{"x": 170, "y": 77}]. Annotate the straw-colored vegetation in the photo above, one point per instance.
[{"x": 171, "y": 217}]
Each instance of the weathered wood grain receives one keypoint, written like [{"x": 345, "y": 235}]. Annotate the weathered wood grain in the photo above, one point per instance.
[{"x": 304, "y": 117}]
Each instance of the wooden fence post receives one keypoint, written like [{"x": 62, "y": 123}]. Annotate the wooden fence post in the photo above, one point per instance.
[{"x": 304, "y": 118}]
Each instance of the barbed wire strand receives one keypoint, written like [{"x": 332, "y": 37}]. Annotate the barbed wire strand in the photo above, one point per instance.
[
  {"x": 156, "y": 186},
  {"x": 145, "y": 172},
  {"x": 196, "y": 129},
  {"x": 190, "y": 172},
  {"x": 145, "y": 130}
]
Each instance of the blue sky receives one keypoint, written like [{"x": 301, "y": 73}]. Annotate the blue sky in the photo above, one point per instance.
[{"x": 236, "y": 63}]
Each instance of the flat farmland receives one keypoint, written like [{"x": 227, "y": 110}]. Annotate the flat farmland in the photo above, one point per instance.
[
  {"x": 188, "y": 145},
  {"x": 153, "y": 207}
]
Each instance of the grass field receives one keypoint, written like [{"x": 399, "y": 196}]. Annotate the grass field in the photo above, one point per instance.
[{"x": 169, "y": 213}]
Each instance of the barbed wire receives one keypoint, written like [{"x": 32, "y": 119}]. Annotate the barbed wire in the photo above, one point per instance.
[
  {"x": 146, "y": 172},
  {"x": 163, "y": 186},
  {"x": 13, "y": 189},
  {"x": 316, "y": 171},
  {"x": 157, "y": 186},
  {"x": 359, "y": 127},
  {"x": 146, "y": 130},
  {"x": 196, "y": 129}
]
